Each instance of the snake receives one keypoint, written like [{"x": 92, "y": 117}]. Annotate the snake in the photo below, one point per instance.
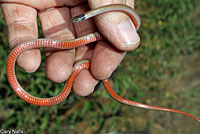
[{"x": 78, "y": 67}]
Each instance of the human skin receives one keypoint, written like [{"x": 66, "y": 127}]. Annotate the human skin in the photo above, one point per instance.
[{"x": 55, "y": 18}]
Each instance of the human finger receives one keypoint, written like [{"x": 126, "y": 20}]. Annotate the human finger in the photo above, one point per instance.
[
  {"x": 105, "y": 60},
  {"x": 56, "y": 24},
  {"x": 22, "y": 26},
  {"x": 45, "y": 4},
  {"x": 84, "y": 83},
  {"x": 115, "y": 26}
]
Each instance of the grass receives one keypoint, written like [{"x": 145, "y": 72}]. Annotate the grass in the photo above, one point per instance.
[{"x": 163, "y": 71}]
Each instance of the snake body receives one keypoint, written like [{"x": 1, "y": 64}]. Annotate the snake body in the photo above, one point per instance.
[{"x": 69, "y": 44}]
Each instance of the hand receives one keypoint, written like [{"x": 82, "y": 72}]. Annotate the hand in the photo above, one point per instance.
[{"x": 55, "y": 18}]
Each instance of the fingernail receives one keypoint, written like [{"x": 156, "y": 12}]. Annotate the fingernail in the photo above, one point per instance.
[{"x": 127, "y": 34}]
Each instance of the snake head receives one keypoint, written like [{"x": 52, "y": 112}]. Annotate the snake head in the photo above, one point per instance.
[{"x": 78, "y": 18}]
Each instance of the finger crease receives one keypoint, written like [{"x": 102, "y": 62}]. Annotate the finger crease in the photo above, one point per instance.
[{"x": 20, "y": 22}]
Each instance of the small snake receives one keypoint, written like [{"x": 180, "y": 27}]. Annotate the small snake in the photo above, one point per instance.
[{"x": 69, "y": 44}]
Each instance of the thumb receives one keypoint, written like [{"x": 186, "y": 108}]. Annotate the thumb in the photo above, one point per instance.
[{"x": 115, "y": 26}]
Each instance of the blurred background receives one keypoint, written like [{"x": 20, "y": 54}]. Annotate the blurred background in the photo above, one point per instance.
[{"x": 163, "y": 71}]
